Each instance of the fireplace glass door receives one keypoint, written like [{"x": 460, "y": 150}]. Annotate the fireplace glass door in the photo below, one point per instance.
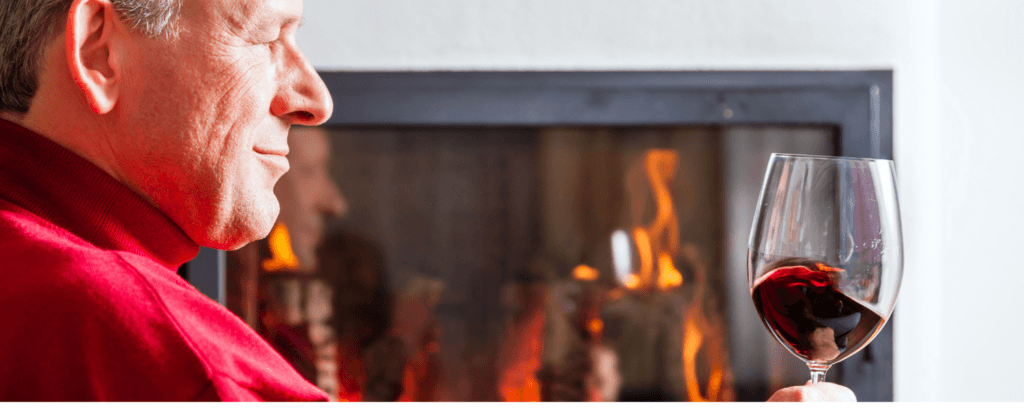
[{"x": 520, "y": 263}]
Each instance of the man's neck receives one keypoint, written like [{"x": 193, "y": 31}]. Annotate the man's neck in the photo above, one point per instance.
[
  {"x": 12, "y": 116},
  {"x": 67, "y": 124},
  {"x": 76, "y": 133}
]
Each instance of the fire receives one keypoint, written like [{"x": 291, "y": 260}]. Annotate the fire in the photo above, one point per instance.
[
  {"x": 661, "y": 237},
  {"x": 632, "y": 282},
  {"x": 519, "y": 383},
  {"x": 698, "y": 328},
  {"x": 643, "y": 247},
  {"x": 661, "y": 170},
  {"x": 693, "y": 339},
  {"x": 656, "y": 246},
  {"x": 282, "y": 256},
  {"x": 585, "y": 273},
  {"x": 520, "y": 351},
  {"x": 669, "y": 277},
  {"x": 528, "y": 392}
]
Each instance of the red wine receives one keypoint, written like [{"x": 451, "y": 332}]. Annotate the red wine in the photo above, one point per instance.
[{"x": 801, "y": 304}]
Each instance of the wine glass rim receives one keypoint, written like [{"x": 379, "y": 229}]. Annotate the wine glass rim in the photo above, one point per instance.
[{"x": 829, "y": 157}]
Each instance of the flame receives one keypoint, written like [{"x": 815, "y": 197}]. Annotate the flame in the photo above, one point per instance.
[
  {"x": 595, "y": 326},
  {"x": 519, "y": 358},
  {"x": 661, "y": 170},
  {"x": 586, "y": 273},
  {"x": 528, "y": 392},
  {"x": 632, "y": 282},
  {"x": 825, "y": 268},
  {"x": 699, "y": 328},
  {"x": 692, "y": 339},
  {"x": 668, "y": 276},
  {"x": 643, "y": 247},
  {"x": 657, "y": 244},
  {"x": 282, "y": 256},
  {"x": 661, "y": 237},
  {"x": 521, "y": 384}
]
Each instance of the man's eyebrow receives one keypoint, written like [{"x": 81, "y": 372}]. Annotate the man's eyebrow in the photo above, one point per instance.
[
  {"x": 269, "y": 17},
  {"x": 290, "y": 19},
  {"x": 282, "y": 21}
]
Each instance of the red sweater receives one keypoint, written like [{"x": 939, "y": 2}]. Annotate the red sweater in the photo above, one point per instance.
[{"x": 91, "y": 306}]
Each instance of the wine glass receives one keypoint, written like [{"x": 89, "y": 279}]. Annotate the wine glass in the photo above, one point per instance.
[{"x": 825, "y": 257}]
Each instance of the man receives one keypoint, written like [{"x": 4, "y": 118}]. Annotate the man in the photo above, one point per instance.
[
  {"x": 131, "y": 133},
  {"x": 134, "y": 132}
]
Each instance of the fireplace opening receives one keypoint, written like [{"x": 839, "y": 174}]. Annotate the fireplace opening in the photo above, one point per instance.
[{"x": 601, "y": 258}]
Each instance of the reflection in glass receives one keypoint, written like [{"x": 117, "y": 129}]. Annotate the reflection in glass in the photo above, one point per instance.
[{"x": 515, "y": 264}]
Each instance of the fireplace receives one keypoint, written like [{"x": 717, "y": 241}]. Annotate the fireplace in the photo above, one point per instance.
[{"x": 565, "y": 235}]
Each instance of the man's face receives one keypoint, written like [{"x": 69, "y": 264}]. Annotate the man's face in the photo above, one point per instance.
[{"x": 206, "y": 116}]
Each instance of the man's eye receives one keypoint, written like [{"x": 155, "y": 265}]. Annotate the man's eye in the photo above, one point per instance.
[{"x": 269, "y": 37}]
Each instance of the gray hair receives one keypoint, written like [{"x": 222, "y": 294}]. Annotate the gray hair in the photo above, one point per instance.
[{"x": 27, "y": 25}]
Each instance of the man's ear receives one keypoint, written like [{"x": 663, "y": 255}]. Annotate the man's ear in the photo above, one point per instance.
[{"x": 92, "y": 57}]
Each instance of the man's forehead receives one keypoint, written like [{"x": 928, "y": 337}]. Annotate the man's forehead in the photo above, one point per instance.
[{"x": 240, "y": 14}]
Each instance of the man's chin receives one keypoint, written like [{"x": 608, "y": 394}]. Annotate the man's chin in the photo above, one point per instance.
[
  {"x": 231, "y": 244},
  {"x": 234, "y": 246},
  {"x": 244, "y": 222},
  {"x": 235, "y": 239}
]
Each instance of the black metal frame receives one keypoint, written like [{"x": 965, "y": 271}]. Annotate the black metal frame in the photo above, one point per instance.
[
  {"x": 207, "y": 273},
  {"x": 857, "y": 103}
]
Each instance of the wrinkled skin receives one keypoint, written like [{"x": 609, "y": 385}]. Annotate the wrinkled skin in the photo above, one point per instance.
[
  {"x": 208, "y": 116},
  {"x": 197, "y": 124}
]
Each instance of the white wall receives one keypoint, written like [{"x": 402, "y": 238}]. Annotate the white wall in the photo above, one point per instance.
[
  {"x": 958, "y": 85},
  {"x": 980, "y": 104}
]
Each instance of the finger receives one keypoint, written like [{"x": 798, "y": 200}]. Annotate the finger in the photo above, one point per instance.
[
  {"x": 790, "y": 394},
  {"x": 815, "y": 392},
  {"x": 834, "y": 392}
]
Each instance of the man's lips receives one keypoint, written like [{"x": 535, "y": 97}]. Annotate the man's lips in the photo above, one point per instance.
[
  {"x": 277, "y": 157},
  {"x": 282, "y": 151}
]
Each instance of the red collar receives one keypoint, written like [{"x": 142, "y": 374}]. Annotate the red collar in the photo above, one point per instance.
[{"x": 70, "y": 192}]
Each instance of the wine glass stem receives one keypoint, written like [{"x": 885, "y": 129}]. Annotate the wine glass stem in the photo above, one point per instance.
[{"x": 818, "y": 372}]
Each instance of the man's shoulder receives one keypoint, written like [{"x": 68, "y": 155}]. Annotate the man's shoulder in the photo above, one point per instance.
[
  {"x": 43, "y": 261},
  {"x": 74, "y": 309},
  {"x": 29, "y": 243},
  {"x": 49, "y": 268},
  {"x": 79, "y": 324}
]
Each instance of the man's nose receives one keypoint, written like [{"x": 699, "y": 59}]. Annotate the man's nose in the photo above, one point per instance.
[{"x": 302, "y": 97}]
